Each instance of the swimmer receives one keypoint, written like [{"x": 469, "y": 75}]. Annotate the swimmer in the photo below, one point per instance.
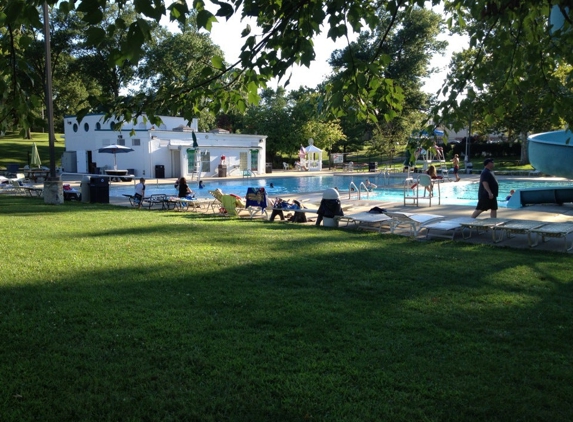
[
  {"x": 271, "y": 185},
  {"x": 370, "y": 186}
]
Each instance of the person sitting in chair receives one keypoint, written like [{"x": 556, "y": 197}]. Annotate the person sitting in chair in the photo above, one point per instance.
[{"x": 184, "y": 189}]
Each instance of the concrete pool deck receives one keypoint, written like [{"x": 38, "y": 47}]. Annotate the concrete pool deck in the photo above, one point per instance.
[{"x": 544, "y": 213}]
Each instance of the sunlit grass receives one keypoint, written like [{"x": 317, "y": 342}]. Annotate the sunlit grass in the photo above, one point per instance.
[{"x": 109, "y": 313}]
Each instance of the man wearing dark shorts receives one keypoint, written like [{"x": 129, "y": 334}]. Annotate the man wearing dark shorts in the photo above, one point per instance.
[{"x": 488, "y": 190}]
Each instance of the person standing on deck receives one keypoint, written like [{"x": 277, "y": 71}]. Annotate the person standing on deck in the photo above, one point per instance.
[{"x": 488, "y": 190}]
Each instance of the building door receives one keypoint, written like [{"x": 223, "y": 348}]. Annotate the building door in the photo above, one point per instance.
[{"x": 175, "y": 163}]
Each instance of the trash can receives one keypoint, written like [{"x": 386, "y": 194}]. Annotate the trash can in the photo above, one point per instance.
[
  {"x": 85, "y": 189},
  {"x": 269, "y": 168},
  {"x": 99, "y": 190},
  {"x": 329, "y": 208},
  {"x": 372, "y": 167},
  {"x": 222, "y": 170},
  {"x": 469, "y": 167},
  {"x": 160, "y": 171}
]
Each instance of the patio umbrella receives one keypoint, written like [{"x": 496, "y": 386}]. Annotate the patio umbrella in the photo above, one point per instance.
[
  {"x": 115, "y": 149},
  {"x": 35, "y": 159}
]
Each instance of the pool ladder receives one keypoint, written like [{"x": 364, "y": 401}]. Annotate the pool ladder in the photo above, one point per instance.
[{"x": 357, "y": 191}]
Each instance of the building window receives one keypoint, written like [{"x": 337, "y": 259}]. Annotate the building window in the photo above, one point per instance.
[
  {"x": 98, "y": 126},
  {"x": 120, "y": 140},
  {"x": 75, "y": 127},
  {"x": 86, "y": 127},
  {"x": 135, "y": 142},
  {"x": 111, "y": 125},
  {"x": 205, "y": 161}
]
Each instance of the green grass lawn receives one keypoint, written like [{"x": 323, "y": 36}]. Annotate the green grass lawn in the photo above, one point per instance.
[
  {"x": 117, "y": 314},
  {"x": 15, "y": 150}
]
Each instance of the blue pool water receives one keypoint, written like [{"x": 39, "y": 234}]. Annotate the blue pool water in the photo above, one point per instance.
[{"x": 461, "y": 193}]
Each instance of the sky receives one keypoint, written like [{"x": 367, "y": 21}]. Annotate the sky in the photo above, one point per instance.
[{"x": 227, "y": 35}]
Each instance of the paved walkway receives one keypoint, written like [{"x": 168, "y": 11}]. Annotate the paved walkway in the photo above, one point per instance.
[{"x": 549, "y": 213}]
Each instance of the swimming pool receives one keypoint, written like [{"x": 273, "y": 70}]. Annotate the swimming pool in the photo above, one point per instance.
[{"x": 460, "y": 193}]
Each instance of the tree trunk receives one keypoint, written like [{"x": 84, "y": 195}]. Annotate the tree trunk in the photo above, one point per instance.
[{"x": 524, "y": 159}]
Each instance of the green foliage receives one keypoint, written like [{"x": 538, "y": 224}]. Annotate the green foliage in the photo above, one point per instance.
[{"x": 516, "y": 67}]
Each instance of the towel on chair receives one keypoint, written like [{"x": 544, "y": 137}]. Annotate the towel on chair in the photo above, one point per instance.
[{"x": 257, "y": 197}]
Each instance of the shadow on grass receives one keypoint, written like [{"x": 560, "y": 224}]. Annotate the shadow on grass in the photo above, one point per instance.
[{"x": 211, "y": 318}]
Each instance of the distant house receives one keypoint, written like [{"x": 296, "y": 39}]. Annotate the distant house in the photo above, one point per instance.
[{"x": 165, "y": 151}]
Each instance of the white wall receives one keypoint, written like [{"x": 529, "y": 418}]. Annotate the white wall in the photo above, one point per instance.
[{"x": 153, "y": 146}]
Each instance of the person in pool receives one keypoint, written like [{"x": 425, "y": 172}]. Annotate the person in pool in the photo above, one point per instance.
[
  {"x": 201, "y": 184},
  {"x": 370, "y": 186},
  {"x": 508, "y": 197}
]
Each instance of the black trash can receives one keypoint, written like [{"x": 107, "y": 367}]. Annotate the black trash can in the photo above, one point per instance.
[
  {"x": 222, "y": 170},
  {"x": 269, "y": 168},
  {"x": 160, "y": 171},
  {"x": 372, "y": 167},
  {"x": 99, "y": 190}
]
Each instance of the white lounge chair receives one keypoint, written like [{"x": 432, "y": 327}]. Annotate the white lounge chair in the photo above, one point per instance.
[
  {"x": 17, "y": 188},
  {"x": 366, "y": 220},
  {"x": 413, "y": 221},
  {"x": 446, "y": 228}
]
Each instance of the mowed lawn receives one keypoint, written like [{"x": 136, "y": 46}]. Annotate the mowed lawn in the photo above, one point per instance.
[{"x": 116, "y": 314}]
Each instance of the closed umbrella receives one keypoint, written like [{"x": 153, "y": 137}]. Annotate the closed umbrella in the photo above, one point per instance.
[
  {"x": 115, "y": 149},
  {"x": 35, "y": 159}
]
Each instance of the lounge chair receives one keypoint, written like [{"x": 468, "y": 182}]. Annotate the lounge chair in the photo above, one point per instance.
[
  {"x": 216, "y": 204},
  {"x": 18, "y": 188},
  {"x": 413, "y": 221},
  {"x": 552, "y": 230},
  {"x": 366, "y": 220},
  {"x": 257, "y": 201},
  {"x": 483, "y": 224},
  {"x": 229, "y": 205},
  {"x": 185, "y": 204},
  {"x": 446, "y": 228},
  {"x": 508, "y": 229},
  {"x": 157, "y": 199}
]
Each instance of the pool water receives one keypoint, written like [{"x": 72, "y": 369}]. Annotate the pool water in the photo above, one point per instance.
[{"x": 460, "y": 193}]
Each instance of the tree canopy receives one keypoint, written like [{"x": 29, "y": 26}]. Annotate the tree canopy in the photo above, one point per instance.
[{"x": 509, "y": 35}]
